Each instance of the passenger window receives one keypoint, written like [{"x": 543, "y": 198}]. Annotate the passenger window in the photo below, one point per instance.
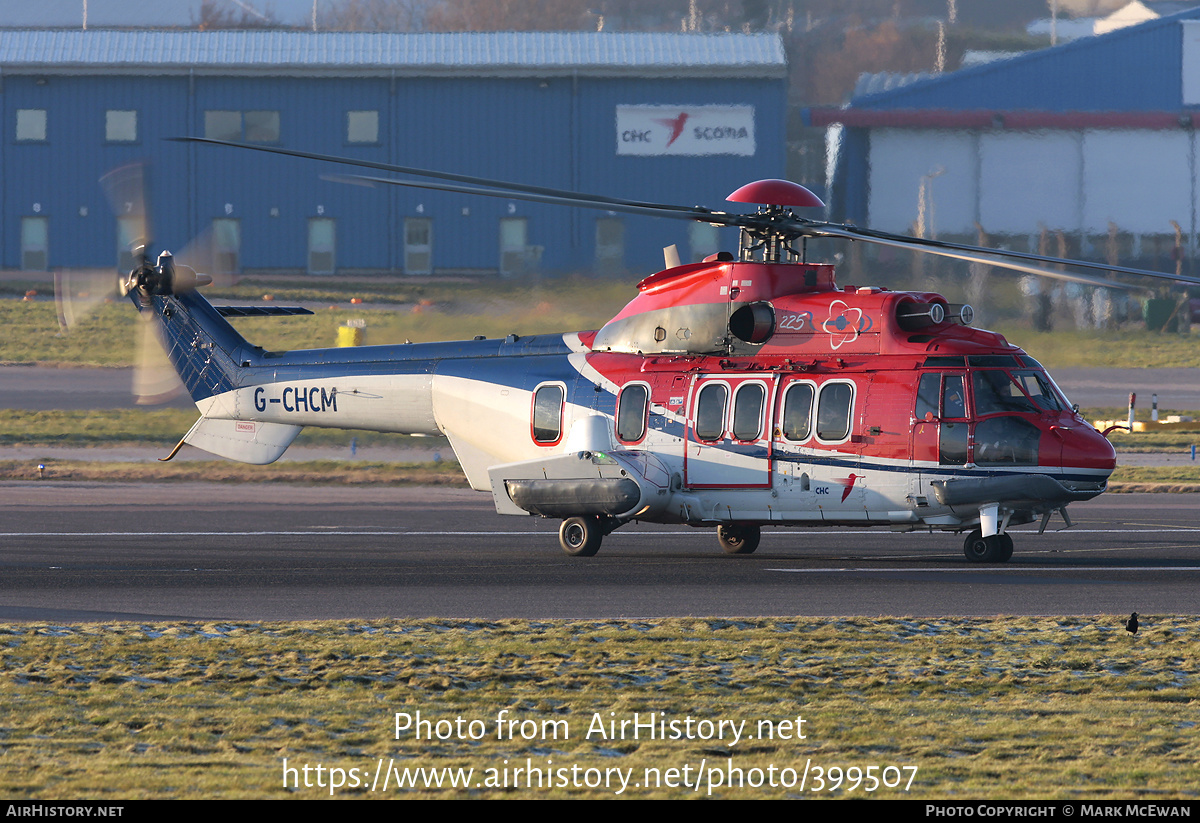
[
  {"x": 748, "y": 411},
  {"x": 547, "y": 414},
  {"x": 631, "y": 413},
  {"x": 710, "y": 411},
  {"x": 833, "y": 411},
  {"x": 797, "y": 412}
]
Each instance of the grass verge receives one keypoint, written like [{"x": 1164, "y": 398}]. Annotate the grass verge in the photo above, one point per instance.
[
  {"x": 342, "y": 472},
  {"x": 158, "y": 427},
  {"x": 32, "y": 332},
  {"x": 1001, "y": 708}
]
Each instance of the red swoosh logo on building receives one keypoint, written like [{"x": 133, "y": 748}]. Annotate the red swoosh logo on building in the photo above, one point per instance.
[{"x": 675, "y": 125}]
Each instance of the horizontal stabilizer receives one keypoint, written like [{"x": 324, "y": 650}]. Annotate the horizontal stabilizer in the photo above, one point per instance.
[
  {"x": 260, "y": 311},
  {"x": 242, "y": 440}
]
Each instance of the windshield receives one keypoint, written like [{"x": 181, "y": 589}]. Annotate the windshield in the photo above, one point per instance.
[
  {"x": 996, "y": 391},
  {"x": 1037, "y": 386},
  {"x": 1024, "y": 390}
]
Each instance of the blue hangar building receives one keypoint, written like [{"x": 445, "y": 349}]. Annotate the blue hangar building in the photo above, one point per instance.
[
  {"x": 1087, "y": 139},
  {"x": 670, "y": 118}
]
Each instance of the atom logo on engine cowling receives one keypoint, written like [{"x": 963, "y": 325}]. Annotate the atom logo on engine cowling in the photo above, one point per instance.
[{"x": 844, "y": 324}]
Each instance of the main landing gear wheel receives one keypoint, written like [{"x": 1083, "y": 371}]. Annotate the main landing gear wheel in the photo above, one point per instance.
[
  {"x": 739, "y": 539},
  {"x": 581, "y": 536},
  {"x": 995, "y": 549}
]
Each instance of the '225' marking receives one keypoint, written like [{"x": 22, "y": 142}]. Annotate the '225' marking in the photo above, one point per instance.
[{"x": 796, "y": 322}]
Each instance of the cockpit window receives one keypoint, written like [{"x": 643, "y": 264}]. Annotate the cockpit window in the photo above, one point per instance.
[
  {"x": 1038, "y": 387},
  {"x": 954, "y": 397},
  {"x": 996, "y": 392}
]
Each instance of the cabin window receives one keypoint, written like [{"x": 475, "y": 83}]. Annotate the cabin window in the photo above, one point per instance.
[
  {"x": 797, "y": 412},
  {"x": 547, "y": 414},
  {"x": 710, "y": 411},
  {"x": 833, "y": 411},
  {"x": 748, "y": 411},
  {"x": 631, "y": 412}
]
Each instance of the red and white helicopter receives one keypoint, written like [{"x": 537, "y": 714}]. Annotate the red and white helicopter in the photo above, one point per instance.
[{"x": 736, "y": 393}]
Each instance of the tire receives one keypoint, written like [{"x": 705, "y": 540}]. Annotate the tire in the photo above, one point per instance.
[
  {"x": 580, "y": 536},
  {"x": 739, "y": 539},
  {"x": 1006, "y": 546},
  {"x": 994, "y": 549}
]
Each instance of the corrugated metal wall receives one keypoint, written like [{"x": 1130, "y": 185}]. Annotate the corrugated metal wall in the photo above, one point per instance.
[
  {"x": 1134, "y": 69},
  {"x": 558, "y": 132}
]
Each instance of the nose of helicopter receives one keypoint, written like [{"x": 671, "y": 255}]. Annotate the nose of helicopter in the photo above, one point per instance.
[{"x": 1084, "y": 448}]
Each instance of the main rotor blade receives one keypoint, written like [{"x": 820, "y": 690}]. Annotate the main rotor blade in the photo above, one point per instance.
[
  {"x": 556, "y": 200},
  {"x": 988, "y": 257},
  {"x": 944, "y": 247},
  {"x": 441, "y": 175}
]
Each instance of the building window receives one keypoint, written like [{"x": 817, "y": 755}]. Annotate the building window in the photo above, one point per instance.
[
  {"x": 130, "y": 238},
  {"x": 227, "y": 245},
  {"x": 120, "y": 126},
  {"x": 703, "y": 240},
  {"x": 362, "y": 127},
  {"x": 262, "y": 127},
  {"x": 259, "y": 126},
  {"x": 514, "y": 232},
  {"x": 223, "y": 125},
  {"x": 31, "y": 125},
  {"x": 35, "y": 243},
  {"x": 418, "y": 245},
  {"x": 322, "y": 238}
]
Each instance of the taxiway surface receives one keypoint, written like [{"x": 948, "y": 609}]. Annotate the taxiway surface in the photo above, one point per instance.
[{"x": 88, "y": 552}]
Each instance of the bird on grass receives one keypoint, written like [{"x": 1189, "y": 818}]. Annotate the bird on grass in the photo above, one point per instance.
[{"x": 1131, "y": 625}]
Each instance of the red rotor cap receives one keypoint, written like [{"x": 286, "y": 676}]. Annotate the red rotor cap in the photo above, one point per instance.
[{"x": 776, "y": 193}]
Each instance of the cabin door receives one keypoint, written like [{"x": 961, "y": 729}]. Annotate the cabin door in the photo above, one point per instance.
[
  {"x": 940, "y": 422},
  {"x": 728, "y": 439}
]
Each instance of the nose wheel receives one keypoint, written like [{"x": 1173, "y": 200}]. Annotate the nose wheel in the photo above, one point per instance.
[
  {"x": 997, "y": 548},
  {"x": 581, "y": 536}
]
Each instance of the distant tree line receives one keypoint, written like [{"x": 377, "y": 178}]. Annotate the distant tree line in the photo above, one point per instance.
[{"x": 830, "y": 42}]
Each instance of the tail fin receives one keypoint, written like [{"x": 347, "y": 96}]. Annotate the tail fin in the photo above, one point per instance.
[
  {"x": 209, "y": 355},
  {"x": 204, "y": 348}
]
